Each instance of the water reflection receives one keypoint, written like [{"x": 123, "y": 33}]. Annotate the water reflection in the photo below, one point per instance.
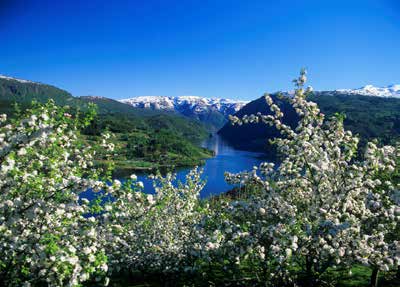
[{"x": 226, "y": 159}]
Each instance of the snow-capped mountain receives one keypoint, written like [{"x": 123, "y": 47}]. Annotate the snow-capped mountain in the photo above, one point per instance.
[
  {"x": 391, "y": 91},
  {"x": 213, "y": 112},
  {"x": 187, "y": 104}
]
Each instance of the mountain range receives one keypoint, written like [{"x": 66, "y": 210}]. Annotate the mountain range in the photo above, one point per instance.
[
  {"x": 391, "y": 91},
  {"x": 371, "y": 112},
  {"x": 213, "y": 112}
]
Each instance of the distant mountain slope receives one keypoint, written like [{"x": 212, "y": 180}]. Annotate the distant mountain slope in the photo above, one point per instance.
[
  {"x": 212, "y": 112},
  {"x": 369, "y": 116},
  {"x": 23, "y": 92},
  {"x": 120, "y": 117},
  {"x": 117, "y": 116},
  {"x": 110, "y": 106},
  {"x": 144, "y": 139}
]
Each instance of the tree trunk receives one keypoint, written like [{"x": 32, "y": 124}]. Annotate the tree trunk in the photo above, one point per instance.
[
  {"x": 374, "y": 277},
  {"x": 308, "y": 265},
  {"x": 309, "y": 278}
]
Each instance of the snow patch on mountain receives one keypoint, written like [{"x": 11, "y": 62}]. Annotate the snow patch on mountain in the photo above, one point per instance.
[
  {"x": 391, "y": 91},
  {"x": 91, "y": 97},
  {"x": 15, "y": 79},
  {"x": 184, "y": 104}
]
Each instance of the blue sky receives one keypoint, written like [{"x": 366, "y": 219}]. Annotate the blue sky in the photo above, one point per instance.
[{"x": 232, "y": 49}]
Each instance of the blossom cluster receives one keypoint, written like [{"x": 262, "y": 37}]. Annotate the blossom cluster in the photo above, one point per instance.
[
  {"x": 44, "y": 234},
  {"x": 152, "y": 231}
]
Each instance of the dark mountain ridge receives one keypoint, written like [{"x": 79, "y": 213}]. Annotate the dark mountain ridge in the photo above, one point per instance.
[{"x": 371, "y": 117}]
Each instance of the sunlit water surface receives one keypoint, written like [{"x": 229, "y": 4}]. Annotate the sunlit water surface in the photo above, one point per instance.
[{"x": 226, "y": 159}]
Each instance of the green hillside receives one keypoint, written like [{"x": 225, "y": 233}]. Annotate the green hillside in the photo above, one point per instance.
[
  {"x": 370, "y": 117},
  {"x": 23, "y": 93},
  {"x": 122, "y": 118},
  {"x": 132, "y": 126}
]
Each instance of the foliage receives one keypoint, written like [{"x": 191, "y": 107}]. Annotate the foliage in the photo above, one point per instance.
[
  {"x": 321, "y": 212},
  {"x": 162, "y": 146},
  {"x": 13, "y": 91}
]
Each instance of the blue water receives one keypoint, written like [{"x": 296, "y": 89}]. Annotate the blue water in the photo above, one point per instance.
[{"x": 226, "y": 159}]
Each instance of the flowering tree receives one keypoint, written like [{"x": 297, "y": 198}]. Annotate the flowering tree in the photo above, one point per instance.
[
  {"x": 325, "y": 206},
  {"x": 151, "y": 232},
  {"x": 47, "y": 235}
]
